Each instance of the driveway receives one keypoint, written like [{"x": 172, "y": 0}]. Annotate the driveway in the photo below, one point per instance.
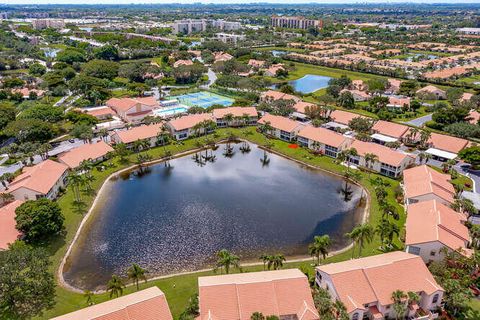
[{"x": 419, "y": 122}]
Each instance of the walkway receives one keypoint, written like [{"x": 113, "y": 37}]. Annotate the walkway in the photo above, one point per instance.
[{"x": 419, "y": 122}]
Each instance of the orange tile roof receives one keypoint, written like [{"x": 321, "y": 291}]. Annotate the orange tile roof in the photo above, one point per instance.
[
  {"x": 277, "y": 95},
  {"x": 125, "y": 104},
  {"x": 447, "y": 143},
  {"x": 40, "y": 178},
  {"x": 430, "y": 221},
  {"x": 430, "y": 89},
  {"x": 466, "y": 96},
  {"x": 189, "y": 121},
  {"x": 323, "y": 135},
  {"x": 374, "y": 279},
  {"x": 8, "y": 230},
  {"x": 98, "y": 112},
  {"x": 301, "y": 105},
  {"x": 423, "y": 180},
  {"x": 256, "y": 63},
  {"x": 280, "y": 123},
  {"x": 74, "y": 157},
  {"x": 474, "y": 116},
  {"x": 344, "y": 117},
  {"x": 238, "y": 296},
  {"x": 390, "y": 129},
  {"x": 235, "y": 111},
  {"x": 139, "y": 133},
  {"x": 148, "y": 304},
  {"x": 384, "y": 154},
  {"x": 399, "y": 101},
  {"x": 179, "y": 63}
]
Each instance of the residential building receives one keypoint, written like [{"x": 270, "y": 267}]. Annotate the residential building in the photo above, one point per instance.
[
  {"x": 393, "y": 86},
  {"x": 423, "y": 183},
  {"x": 188, "y": 26},
  {"x": 282, "y": 293},
  {"x": 359, "y": 85},
  {"x": 432, "y": 226},
  {"x": 398, "y": 102},
  {"x": 366, "y": 285},
  {"x": 222, "y": 56},
  {"x": 26, "y": 92},
  {"x": 273, "y": 69},
  {"x": 300, "y": 109},
  {"x": 358, "y": 95},
  {"x": 43, "y": 180},
  {"x": 94, "y": 152},
  {"x": 39, "y": 24},
  {"x": 390, "y": 163},
  {"x": 143, "y": 132},
  {"x": 226, "y": 25},
  {"x": 148, "y": 304},
  {"x": 322, "y": 140},
  {"x": 257, "y": 64},
  {"x": 295, "y": 22},
  {"x": 184, "y": 127},
  {"x": 385, "y": 131},
  {"x": 133, "y": 109},
  {"x": 101, "y": 113},
  {"x": 272, "y": 95},
  {"x": 282, "y": 128},
  {"x": 8, "y": 230},
  {"x": 241, "y": 116},
  {"x": 431, "y": 92},
  {"x": 470, "y": 31},
  {"x": 179, "y": 63},
  {"x": 341, "y": 119},
  {"x": 229, "y": 37},
  {"x": 444, "y": 147}
]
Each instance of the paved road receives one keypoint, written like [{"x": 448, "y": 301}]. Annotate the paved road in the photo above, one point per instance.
[{"x": 419, "y": 122}]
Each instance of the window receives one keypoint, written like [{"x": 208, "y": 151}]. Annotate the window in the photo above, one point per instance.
[
  {"x": 414, "y": 250},
  {"x": 432, "y": 253},
  {"x": 355, "y": 316},
  {"x": 435, "y": 298}
]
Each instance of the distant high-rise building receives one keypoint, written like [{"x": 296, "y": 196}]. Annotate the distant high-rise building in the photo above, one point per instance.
[
  {"x": 188, "y": 26},
  {"x": 295, "y": 22},
  {"x": 39, "y": 24}
]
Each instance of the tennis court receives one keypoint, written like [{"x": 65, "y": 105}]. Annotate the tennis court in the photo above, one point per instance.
[{"x": 203, "y": 99}]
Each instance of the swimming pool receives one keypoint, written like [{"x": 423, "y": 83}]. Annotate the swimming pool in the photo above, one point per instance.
[
  {"x": 169, "y": 112},
  {"x": 203, "y": 99}
]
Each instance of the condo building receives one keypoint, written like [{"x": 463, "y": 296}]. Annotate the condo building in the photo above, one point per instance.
[{"x": 295, "y": 22}]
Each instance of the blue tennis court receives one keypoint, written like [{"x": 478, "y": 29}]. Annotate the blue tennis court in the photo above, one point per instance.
[{"x": 203, "y": 99}]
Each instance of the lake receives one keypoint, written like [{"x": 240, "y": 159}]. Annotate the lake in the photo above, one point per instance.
[
  {"x": 174, "y": 219},
  {"x": 310, "y": 83}
]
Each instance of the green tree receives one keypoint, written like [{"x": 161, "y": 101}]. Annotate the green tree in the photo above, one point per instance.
[
  {"x": 399, "y": 306},
  {"x": 257, "y": 316},
  {"x": 227, "y": 260},
  {"x": 39, "y": 219},
  {"x": 82, "y": 131},
  {"x": 7, "y": 114},
  {"x": 471, "y": 155},
  {"x": 360, "y": 235},
  {"x": 107, "y": 52},
  {"x": 136, "y": 273},
  {"x": 346, "y": 100},
  {"x": 115, "y": 286},
  {"x": 37, "y": 70},
  {"x": 88, "y": 295},
  {"x": 122, "y": 151},
  {"x": 101, "y": 69},
  {"x": 319, "y": 247},
  {"x": 31, "y": 130}
]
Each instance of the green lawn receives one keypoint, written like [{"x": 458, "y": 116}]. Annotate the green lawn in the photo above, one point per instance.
[
  {"x": 179, "y": 288},
  {"x": 280, "y": 49}
]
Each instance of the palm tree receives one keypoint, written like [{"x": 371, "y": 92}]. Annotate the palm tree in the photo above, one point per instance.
[
  {"x": 163, "y": 135},
  {"x": 88, "y": 295},
  {"x": 115, "y": 286},
  {"x": 265, "y": 127},
  {"x": 424, "y": 136},
  {"x": 277, "y": 261},
  {"x": 360, "y": 235},
  {"x": 141, "y": 144},
  {"x": 76, "y": 181},
  {"x": 413, "y": 297},
  {"x": 399, "y": 297},
  {"x": 136, "y": 273},
  {"x": 265, "y": 258},
  {"x": 103, "y": 133},
  {"x": 226, "y": 260},
  {"x": 228, "y": 119},
  {"x": 122, "y": 151},
  {"x": 319, "y": 246},
  {"x": 387, "y": 230},
  {"x": 370, "y": 159}
]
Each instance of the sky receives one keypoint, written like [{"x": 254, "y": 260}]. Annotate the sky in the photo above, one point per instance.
[{"x": 223, "y": 1}]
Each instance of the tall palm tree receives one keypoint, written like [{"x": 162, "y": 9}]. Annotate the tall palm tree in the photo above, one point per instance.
[
  {"x": 370, "y": 159},
  {"x": 424, "y": 136},
  {"x": 387, "y": 230},
  {"x": 360, "y": 235},
  {"x": 277, "y": 261},
  {"x": 265, "y": 258},
  {"x": 226, "y": 260},
  {"x": 115, "y": 286},
  {"x": 228, "y": 119},
  {"x": 319, "y": 246},
  {"x": 136, "y": 273},
  {"x": 75, "y": 180},
  {"x": 265, "y": 128}
]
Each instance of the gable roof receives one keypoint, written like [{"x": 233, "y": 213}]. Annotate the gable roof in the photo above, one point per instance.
[
  {"x": 125, "y": 104},
  {"x": 374, "y": 279},
  {"x": 390, "y": 129},
  {"x": 423, "y": 180},
  {"x": 344, "y": 117},
  {"x": 139, "y": 133},
  {"x": 8, "y": 230},
  {"x": 430, "y": 221},
  {"x": 431, "y": 89},
  {"x": 323, "y": 135},
  {"x": 74, "y": 157},
  {"x": 148, "y": 304},
  {"x": 384, "y": 154},
  {"x": 235, "y": 111},
  {"x": 301, "y": 105},
  {"x": 189, "y": 121},
  {"x": 280, "y": 123},
  {"x": 237, "y": 296},
  {"x": 277, "y": 95},
  {"x": 447, "y": 143},
  {"x": 39, "y": 178}
]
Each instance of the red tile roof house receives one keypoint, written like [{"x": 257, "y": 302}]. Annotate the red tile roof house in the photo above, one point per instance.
[
  {"x": 423, "y": 183},
  {"x": 143, "y": 132},
  {"x": 444, "y": 147},
  {"x": 344, "y": 117},
  {"x": 385, "y": 131},
  {"x": 101, "y": 113},
  {"x": 358, "y": 95},
  {"x": 273, "y": 69},
  {"x": 393, "y": 86},
  {"x": 390, "y": 163},
  {"x": 25, "y": 92},
  {"x": 432, "y": 226},
  {"x": 398, "y": 102},
  {"x": 183, "y": 127},
  {"x": 8, "y": 230},
  {"x": 282, "y": 293},
  {"x": 222, "y": 56},
  {"x": 133, "y": 109},
  {"x": 322, "y": 140},
  {"x": 366, "y": 285},
  {"x": 94, "y": 152},
  {"x": 148, "y": 304},
  {"x": 431, "y": 92},
  {"x": 282, "y": 128},
  {"x": 43, "y": 180},
  {"x": 272, "y": 95},
  {"x": 241, "y": 116},
  {"x": 179, "y": 63},
  {"x": 256, "y": 63}
]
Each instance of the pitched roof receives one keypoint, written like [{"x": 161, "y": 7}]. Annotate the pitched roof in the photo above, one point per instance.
[
  {"x": 430, "y": 221},
  {"x": 447, "y": 143},
  {"x": 125, "y": 104},
  {"x": 323, "y": 135},
  {"x": 399, "y": 101},
  {"x": 8, "y": 230},
  {"x": 277, "y": 95},
  {"x": 301, "y": 105},
  {"x": 40, "y": 178},
  {"x": 423, "y": 180},
  {"x": 179, "y": 63},
  {"x": 235, "y": 111},
  {"x": 280, "y": 123},
  {"x": 189, "y": 121},
  {"x": 390, "y": 129},
  {"x": 102, "y": 111},
  {"x": 139, "y": 133},
  {"x": 238, "y": 296},
  {"x": 430, "y": 89},
  {"x": 384, "y": 154},
  {"x": 74, "y": 157},
  {"x": 344, "y": 117},
  {"x": 374, "y": 279},
  {"x": 148, "y": 304}
]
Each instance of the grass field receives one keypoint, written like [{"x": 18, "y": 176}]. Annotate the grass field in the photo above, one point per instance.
[{"x": 178, "y": 289}]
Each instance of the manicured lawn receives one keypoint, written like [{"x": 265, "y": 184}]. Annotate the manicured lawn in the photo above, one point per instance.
[
  {"x": 279, "y": 49},
  {"x": 179, "y": 288}
]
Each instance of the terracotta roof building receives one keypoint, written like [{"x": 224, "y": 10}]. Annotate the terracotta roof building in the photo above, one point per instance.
[
  {"x": 89, "y": 151},
  {"x": 179, "y": 63},
  {"x": 432, "y": 92},
  {"x": 283, "y": 293},
  {"x": 241, "y": 116},
  {"x": 148, "y": 304},
  {"x": 366, "y": 285},
  {"x": 323, "y": 140},
  {"x": 182, "y": 128},
  {"x": 8, "y": 230},
  {"x": 344, "y": 117},
  {"x": 272, "y": 95},
  {"x": 282, "y": 128},
  {"x": 41, "y": 180},
  {"x": 133, "y": 109},
  {"x": 432, "y": 226},
  {"x": 423, "y": 183},
  {"x": 101, "y": 112},
  {"x": 142, "y": 132},
  {"x": 448, "y": 144},
  {"x": 389, "y": 130}
]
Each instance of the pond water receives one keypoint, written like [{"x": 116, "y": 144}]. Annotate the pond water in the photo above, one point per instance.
[
  {"x": 308, "y": 83},
  {"x": 174, "y": 219},
  {"x": 50, "y": 52},
  {"x": 278, "y": 53},
  {"x": 423, "y": 57}
]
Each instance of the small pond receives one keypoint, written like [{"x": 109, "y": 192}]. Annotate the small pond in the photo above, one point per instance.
[
  {"x": 278, "y": 53},
  {"x": 50, "y": 52},
  {"x": 174, "y": 218},
  {"x": 308, "y": 83}
]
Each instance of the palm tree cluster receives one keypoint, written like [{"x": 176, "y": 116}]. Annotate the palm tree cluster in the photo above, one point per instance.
[
  {"x": 81, "y": 180},
  {"x": 402, "y": 300},
  {"x": 204, "y": 127},
  {"x": 226, "y": 260},
  {"x": 115, "y": 285},
  {"x": 274, "y": 261},
  {"x": 232, "y": 120},
  {"x": 319, "y": 247},
  {"x": 361, "y": 235},
  {"x": 327, "y": 308},
  {"x": 386, "y": 229}
]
